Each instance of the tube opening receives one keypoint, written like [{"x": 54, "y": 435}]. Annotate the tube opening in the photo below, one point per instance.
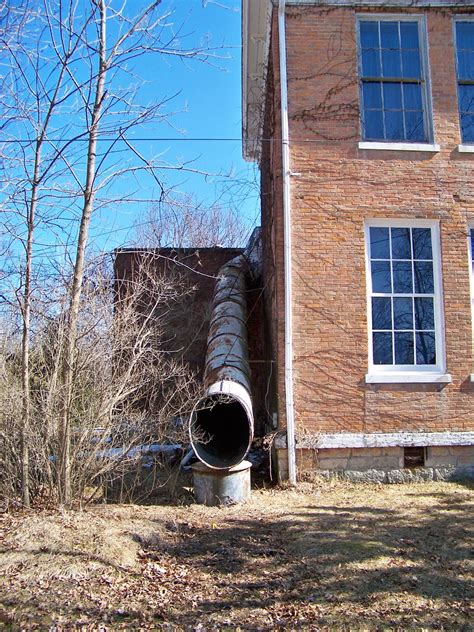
[{"x": 221, "y": 431}]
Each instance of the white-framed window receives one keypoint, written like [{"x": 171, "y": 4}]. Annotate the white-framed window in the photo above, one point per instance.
[
  {"x": 393, "y": 74},
  {"x": 464, "y": 44},
  {"x": 405, "y": 318}
]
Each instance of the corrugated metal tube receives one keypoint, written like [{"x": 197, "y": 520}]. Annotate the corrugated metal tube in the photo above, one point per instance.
[{"x": 221, "y": 424}]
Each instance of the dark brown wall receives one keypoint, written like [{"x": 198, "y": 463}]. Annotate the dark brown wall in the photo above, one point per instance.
[
  {"x": 196, "y": 268},
  {"x": 188, "y": 324}
]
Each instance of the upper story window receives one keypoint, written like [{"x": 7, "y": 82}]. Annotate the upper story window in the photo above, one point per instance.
[
  {"x": 393, "y": 80},
  {"x": 465, "y": 71}
]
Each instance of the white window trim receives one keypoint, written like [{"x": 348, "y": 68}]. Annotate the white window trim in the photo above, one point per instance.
[
  {"x": 463, "y": 148},
  {"x": 384, "y": 374},
  {"x": 426, "y": 83},
  {"x": 389, "y": 146},
  {"x": 408, "y": 378}
]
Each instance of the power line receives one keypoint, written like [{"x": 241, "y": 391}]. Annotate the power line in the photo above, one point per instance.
[
  {"x": 113, "y": 139},
  {"x": 168, "y": 139}
]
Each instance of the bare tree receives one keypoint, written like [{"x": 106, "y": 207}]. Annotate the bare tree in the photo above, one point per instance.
[
  {"x": 71, "y": 141},
  {"x": 129, "y": 389},
  {"x": 46, "y": 100},
  {"x": 182, "y": 222}
]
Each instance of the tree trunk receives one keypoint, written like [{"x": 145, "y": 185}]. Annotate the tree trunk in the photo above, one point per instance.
[
  {"x": 65, "y": 489},
  {"x": 25, "y": 343}
]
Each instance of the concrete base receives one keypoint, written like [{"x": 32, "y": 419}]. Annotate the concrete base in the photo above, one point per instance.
[
  {"x": 415, "y": 475},
  {"x": 221, "y": 487},
  {"x": 380, "y": 464}
]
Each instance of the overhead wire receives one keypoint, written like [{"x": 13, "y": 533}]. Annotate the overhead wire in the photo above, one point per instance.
[{"x": 176, "y": 139}]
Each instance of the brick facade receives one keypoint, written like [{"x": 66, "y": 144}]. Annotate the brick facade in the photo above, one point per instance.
[{"x": 335, "y": 187}]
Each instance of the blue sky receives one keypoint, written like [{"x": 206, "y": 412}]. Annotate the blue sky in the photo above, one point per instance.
[{"x": 207, "y": 106}]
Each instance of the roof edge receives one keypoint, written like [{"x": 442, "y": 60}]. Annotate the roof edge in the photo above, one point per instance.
[{"x": 256, "y": 20}]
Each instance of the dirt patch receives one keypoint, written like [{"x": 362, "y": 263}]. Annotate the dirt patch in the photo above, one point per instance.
[
  {"x": 75, "y": 544},
  {"x": 333, "y": 557}
]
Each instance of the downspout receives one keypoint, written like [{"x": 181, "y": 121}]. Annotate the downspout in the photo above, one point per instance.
[{"x": 285, "y": 150}]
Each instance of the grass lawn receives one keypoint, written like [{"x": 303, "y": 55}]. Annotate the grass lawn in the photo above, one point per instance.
[{"x": 332, "y": 556}]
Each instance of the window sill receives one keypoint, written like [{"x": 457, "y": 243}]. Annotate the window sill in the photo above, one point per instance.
[
  {"x": 426, "y": 147},
  {"x": 466, "y": 149},
  {"x": 408, "y": 378}
]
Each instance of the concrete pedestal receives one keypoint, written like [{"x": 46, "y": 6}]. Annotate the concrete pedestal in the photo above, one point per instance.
[{"x": 221, "y": 487}]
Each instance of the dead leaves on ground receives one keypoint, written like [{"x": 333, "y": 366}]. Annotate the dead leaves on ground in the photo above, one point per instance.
[{"x": 354, "y": 557}]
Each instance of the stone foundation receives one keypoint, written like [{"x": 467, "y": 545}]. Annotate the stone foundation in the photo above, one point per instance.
[{"x": 384, "y": 465}]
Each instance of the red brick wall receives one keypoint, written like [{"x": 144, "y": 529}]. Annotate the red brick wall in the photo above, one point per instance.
[{"x": 335, "y": 187}]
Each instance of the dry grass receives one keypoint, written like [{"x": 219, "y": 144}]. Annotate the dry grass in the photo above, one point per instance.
[{"x": 337, "y": 556}]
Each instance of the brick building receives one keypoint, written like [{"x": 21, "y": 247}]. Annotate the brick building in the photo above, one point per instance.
[{"x": 361, "y": 115}]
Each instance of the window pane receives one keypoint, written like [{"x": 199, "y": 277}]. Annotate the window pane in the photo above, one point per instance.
[
  {"x": 370, "y": 62},
  {"x": 424, "y": 282},
  {"x": 394, "y": 125},
  {"x": 391, "y": 63},
  {"x": 381, "y": 313},
  {"x": 466, "y": 98},
  {"x": 389, "y": 35},
  {"x": 390, "y": 50},
  {"x": 411, "y": 64},
  {"x": 379, "y": 243},
  {"x": 381, "y": 277},
  {"x": 372, "y": 95},
  {"x": 467, "y": 127},
  {"x": 414, "y": 126},
  {"x": 409, "y": 34},
  {"x": 466, "y": 64},
  {"x": 382, "y": 344},
  {"x": 392, "y": 96},
  {"x": 401, "y": 247},
  {"x": 412, "y": 96},
  {"x": 402, "y": 313},
  {"x": 422, "y": 243},
  {"x": 404, "y": 348},
  {"x": 465, "y": 34},
  {"x": 369, "y": 34},
  {"x": 425, "y": 348},
  {"x": 373, "y": 123},
  {"x": 403, "y": 320},
  {"x": 402, "y": 277},
  {"x": 424, "y": 313}
]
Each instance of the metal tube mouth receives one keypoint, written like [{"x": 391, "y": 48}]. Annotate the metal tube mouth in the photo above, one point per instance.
[{"x": 221, "y": 430}]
